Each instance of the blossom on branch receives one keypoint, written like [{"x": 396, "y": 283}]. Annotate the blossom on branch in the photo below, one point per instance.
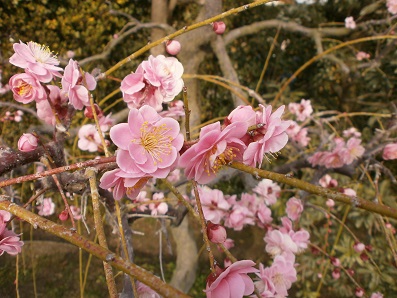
[
  {"x": 37, "y": 60},
  {"x": 270, "y": 136},
  {"x": 148, "y": 144},
  {"x": 214, "y": 149},
  {"x": 26, "y": 88},
  {"x": 9, "y": 241},
  {"x": 75, "y": 85},
  {"x": 157, "y": 80},
  {"x": 47, "y": 207},
  {"x": 232, "y": 281}
]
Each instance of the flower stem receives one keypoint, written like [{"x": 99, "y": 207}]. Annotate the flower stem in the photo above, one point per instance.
[{"x": 91, "y": 175}]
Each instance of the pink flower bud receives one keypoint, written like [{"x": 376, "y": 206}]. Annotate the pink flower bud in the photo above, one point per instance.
[
  {"x": 350, "y": 271},
  {"x": 173, "y": 47},
  {"x": 88, "y": 112},
  {"x": 216, "y": 233},
  {"x": 64, "y": 215},
  {"x": 364, "y": 257},
  {"x": 27, "y": 142},
  {"x": 336, "y": 273},
  {"x": 359, "y": 247},
  {"x": 335, "y": 261},
  {"x": 330, "y": 203},
  {"x": 359, "y": 292},
  {"x": 219, "y": 27}
]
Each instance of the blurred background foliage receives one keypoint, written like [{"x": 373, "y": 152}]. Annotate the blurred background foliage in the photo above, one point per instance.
[{"x": 86, "y": 27}]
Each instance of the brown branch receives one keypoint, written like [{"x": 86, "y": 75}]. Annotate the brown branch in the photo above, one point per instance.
[
  {"x": 318, "y": 190},
  {"x": 101, "y": 253},
  {"x": 79, "y": 165}
]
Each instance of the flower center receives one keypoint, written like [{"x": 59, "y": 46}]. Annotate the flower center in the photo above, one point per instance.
[
  {"x": 23, "y": 88},
  {"x": 40, "y": 52},
  {"x": 156, "y": 141},
  {"x": 215, "y": 162}
]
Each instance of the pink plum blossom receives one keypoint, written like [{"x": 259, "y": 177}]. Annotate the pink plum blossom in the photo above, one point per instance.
[
  {"x": 378, "y": 294},
  {"x": 158, "y": 208},
  {"x": 157, "y": 80},
  {"x": 278, "y": 243},
  {"x": 330, "y": 203},
  {"x": 390, "y": 152},
  {"x": 328, "y": 182},
  {"x": 242, "y": 114},
  {"x": 270, "y": 138},
  {"x": 59, "y": 102},
  {"x": 214, "y": 149},
  {"x": 239, "y": 217},
  {"x": 268, "y": 190},
  {"x": 351, "y": 132},
  {"x": 298, "y": 134},
  {"x": 359, "y": 247},
  {"x": 278, "y": 278},
  {"x": 9, "y": 241},
  {"x": 342, "y": 153},
  {"x": 362, "y": 55},
  {"x": 76, "y": 212},
  {"x": 148, "y": 144},
  {"x": 350, "y": 23},
  {"x": 26, "y": 88},
  {"x": 47, "y": 207},
  {"x": 89, "y": 139},
  {"x": 27, "y": 142},
  {"x": 36, "y": 59},
  {"x": 301, "y": 110},
  {"x": 352, "y": 151},
  {"x": 4, "y": 218},
  {"x": 294, "y": 208},
  {"x": 175, "y": 110},
  {"x": 105, "y": 122},
  {"x": 75, "y": 85},
  {"x": 213, "y": 203},
  {"x": 145, "y": 292},
  {"x": 232, "y": 281},
  {"x": 392, "y": 6},
  {"x": 122, "y": 184},
  {"x": 174, "y": 175},
  {"x": 264, "y": 215}
]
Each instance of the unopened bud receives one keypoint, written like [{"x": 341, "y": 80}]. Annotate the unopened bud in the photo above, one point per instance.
[
  {"x": 64, "y": 215},
  {"x": 359, "y": 247},
  {"x": 173, "y": 47},
  {"x": 27, "y": 142},
  {"x": 219, "y": 27},
  {"x": 359, "y": 292},
  {"x": 216, "y": 233},
  {"x": 336, "y": 273}
]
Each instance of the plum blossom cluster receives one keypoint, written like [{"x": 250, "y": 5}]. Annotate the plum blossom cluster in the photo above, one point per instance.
[
  {"x": 9, "y": 241},
  {"x": 157, "y": 80},
  {"x": 41, "y": 67},
  {"x": 234, "y": 141},
  {"x": 296, "y": 132},
  {"x": 283, "y": 244},
  {"x": 341, "y": 152},
  {"x": 250, "y": 209}
]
